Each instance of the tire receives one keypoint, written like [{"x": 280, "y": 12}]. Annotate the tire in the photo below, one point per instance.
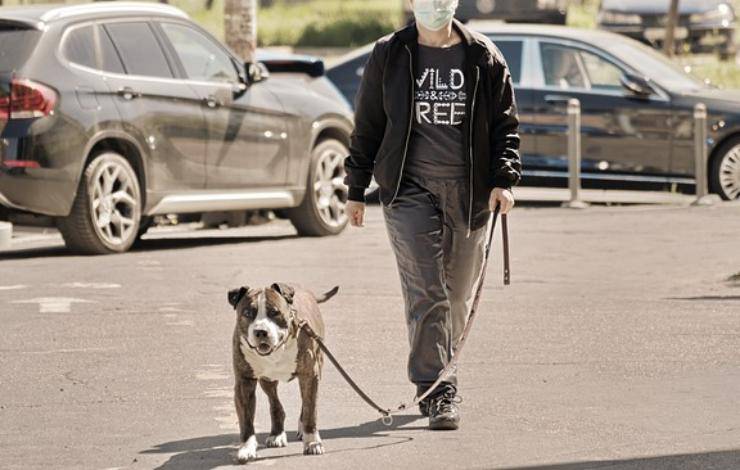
[
  {"x": 322, "y": 211},
  {"x": 724, "y": 171},
  {"x": 106, "y": 213}
]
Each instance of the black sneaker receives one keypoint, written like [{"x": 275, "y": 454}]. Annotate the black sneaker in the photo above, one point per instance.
[{"x": 444, "y": 414}]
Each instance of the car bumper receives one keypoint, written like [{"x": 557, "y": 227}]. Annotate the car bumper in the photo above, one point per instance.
[{"x": 38, "y": 191}]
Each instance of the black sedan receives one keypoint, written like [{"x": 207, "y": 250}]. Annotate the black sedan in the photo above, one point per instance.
[
  {"x": 637, "y": 109},
  {"x": 705, "y": 25}
]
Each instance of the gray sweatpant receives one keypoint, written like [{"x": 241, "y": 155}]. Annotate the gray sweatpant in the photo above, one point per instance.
[{"x": 438, "y": 265}]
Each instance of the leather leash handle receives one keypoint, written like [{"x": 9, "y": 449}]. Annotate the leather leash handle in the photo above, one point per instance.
[{"x": 505, "y": 233}]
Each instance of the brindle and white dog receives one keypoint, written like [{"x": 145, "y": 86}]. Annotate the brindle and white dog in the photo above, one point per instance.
[{"x": 269, "y": 347}]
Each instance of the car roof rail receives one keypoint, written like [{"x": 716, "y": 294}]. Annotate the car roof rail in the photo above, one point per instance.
[{"x": 111, "y": 7}]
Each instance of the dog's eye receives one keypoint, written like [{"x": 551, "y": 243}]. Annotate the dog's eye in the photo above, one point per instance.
[
  {"x": 248, "y": 313},
  {"x": 272, "y": 313}
]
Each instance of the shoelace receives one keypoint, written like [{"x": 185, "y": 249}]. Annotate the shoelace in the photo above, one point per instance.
[{"x": 444, "y": 403}]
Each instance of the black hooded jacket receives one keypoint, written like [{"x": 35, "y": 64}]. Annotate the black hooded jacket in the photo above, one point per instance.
[{"x": 384, "y": 112}]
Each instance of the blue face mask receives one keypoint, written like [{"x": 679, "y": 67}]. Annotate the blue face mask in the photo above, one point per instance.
[{"x": 434, "y": 14}]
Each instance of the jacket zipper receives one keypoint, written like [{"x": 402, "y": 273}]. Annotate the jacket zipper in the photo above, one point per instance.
[
  {"x": 470, "y": 147},
  {"x": 408, "y": 134}
]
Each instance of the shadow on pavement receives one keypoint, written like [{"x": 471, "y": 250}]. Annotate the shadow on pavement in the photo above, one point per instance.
[
  {"x": 719, "y": 460},
  {"x": 156, "y": 244},
  {"x": 214, "y": 451},
  {"x": 718, "y": 298}
]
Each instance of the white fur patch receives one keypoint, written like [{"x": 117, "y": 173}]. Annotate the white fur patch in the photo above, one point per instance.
[
  {"x": 248, "y": 451},
  {"x": 281, "y": 440},
  {"x": 280, "y": 365},
  {"x": 312, "y": 444}
]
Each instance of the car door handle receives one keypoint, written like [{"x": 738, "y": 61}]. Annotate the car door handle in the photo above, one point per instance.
[
  {"x": 557, "y": 99},
  {"x": 211, "y": 102},
  {"x": 128, "y": 93}
]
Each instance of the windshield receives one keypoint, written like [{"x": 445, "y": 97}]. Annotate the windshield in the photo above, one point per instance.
[{"x": 656, "y": 66}]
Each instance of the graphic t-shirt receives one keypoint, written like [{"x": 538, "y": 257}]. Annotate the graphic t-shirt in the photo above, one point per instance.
[{"x": 435, "y": 148}]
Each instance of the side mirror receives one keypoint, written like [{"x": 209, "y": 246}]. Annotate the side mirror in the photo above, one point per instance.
[
  {"x": 256, "y": 72},
  {"x": 639, "y": 86}
]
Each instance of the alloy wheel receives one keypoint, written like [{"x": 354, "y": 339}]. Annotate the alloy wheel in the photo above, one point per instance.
[
  {"x": 329, "y": 190},
  {"x": 114, "y": 203},
  {"x": 729, "y": 173}
]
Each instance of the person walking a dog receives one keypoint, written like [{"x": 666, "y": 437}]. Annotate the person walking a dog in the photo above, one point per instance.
[{"x": 436, "y": 125}]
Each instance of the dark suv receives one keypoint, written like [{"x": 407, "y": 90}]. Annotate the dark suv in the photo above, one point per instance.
[{"x": 112, "y": 113}]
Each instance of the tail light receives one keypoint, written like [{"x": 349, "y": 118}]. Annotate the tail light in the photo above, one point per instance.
[{"x": 27, "y": 99}]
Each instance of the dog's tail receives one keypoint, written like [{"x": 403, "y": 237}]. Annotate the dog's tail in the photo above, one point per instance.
[{"x": 324, "y": 297}]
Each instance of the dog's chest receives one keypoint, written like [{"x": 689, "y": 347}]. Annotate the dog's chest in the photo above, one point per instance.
[{"x": 280, "y": 365}]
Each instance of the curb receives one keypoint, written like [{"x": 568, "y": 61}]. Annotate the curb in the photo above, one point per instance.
[{"x": 6, "y": 233}]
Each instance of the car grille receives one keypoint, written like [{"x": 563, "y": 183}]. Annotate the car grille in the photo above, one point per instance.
[{"x": 661, "y": 20}]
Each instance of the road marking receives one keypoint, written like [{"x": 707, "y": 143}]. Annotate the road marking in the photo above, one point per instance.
[
  {"x": 16, "y": 287},
  {"x": 91, "y": 285},
  {"x": 56, "y": 351},
  {"x": 54, "y": 304}
]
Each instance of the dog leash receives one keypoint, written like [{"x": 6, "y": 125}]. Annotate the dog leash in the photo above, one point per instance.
[{"x": 387, "y": 413}]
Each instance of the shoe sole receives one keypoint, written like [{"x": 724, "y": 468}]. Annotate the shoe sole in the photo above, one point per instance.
[{"x": 447, "y": 425}]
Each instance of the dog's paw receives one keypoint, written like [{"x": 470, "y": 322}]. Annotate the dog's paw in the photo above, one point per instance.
[
  {"x": 312, "y": 444},
  {"x": 313, "y": 448},
  {"x": 281, "y": 440},
  {"x": 248, "y": 451}
]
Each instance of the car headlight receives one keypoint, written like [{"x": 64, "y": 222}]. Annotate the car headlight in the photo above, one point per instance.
[
  {"x": 723, "y": 13},
  {"x": 613, "y": 17}
]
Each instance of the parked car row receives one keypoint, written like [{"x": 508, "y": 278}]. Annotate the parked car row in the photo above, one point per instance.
[
  {"x": 637, "y": 109},
  {"x": 113, "y": 113}
]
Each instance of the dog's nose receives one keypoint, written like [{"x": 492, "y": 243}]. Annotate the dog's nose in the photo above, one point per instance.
[{"x": 260, "y": 334}]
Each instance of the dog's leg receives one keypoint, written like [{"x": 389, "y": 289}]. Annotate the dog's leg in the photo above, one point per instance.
[
  {"x": 245, "y": 399},
  {"x": 277, "y": 437},
  {"x": 309, "y": 393}
]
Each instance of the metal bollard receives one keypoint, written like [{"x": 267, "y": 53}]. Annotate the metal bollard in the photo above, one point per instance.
[
  {"x": 700, "y": 156},
  {"x": 574, "y": 155},
  {"x": 6, "y": 234}
]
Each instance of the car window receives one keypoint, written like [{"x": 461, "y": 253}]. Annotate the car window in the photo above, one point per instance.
[
  {"x": 201, "y": 57},
  {"x": 572, "y": 68},
  {"x": 110, "y": 61},
  {"x": 16, "y": 45},
  {"x": 139, "y": 49},
  {"x": 79, "y": 46},
  {"x": 512, "y": 51}
]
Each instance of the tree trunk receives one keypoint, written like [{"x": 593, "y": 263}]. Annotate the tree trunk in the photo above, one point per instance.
[
  {"x": 670, "y": 32},
  {"x": 240, "y": 27}
]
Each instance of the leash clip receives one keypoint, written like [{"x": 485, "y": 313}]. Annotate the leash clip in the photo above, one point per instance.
[{"x": 387, "y": 419}]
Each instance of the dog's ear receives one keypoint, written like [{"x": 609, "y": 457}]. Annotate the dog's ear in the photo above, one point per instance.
[
  {"x": 236, "y": 295},
  {"x": 285, "y": 290}
]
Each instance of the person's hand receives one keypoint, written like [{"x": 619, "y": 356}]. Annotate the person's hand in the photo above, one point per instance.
[
  {"x": 504, "y": 197},
  {"x": 356, "y": 213}
]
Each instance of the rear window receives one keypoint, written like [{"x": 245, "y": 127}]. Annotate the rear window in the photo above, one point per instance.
[
  {"x": 512, "y": 51},
  {"x": 16, "y": 45},
  {"x": 139, "y": 49}
]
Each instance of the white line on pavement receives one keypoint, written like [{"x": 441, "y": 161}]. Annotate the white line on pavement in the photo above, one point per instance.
[{"x": 54, "y": 304}]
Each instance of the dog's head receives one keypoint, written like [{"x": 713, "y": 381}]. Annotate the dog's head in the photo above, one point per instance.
[{"x": 264, "y": 316}]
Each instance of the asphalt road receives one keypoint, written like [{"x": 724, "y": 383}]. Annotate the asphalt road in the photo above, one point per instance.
[{"x": 617, "y": 345}]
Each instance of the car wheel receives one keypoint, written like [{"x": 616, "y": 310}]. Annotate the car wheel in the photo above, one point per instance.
[
  {"x": 724, "y": 176},
  {"x": 106, "y": 213},
  {"x": 322, "y": 211}
]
